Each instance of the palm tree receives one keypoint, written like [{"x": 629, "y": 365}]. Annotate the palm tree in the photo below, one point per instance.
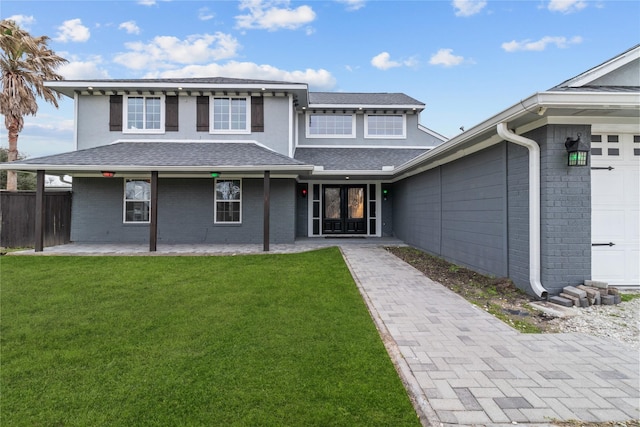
[{"x": 26, "y": 62}]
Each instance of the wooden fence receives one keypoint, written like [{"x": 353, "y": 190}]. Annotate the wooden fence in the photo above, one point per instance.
[{"x": 17, "y": 218}]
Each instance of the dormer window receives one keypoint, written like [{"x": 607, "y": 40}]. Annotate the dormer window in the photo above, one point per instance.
[
  {"x": 331, "y": 126},
  {"x": 385, "y": 126},
  {"x": 144, "y": 114}
]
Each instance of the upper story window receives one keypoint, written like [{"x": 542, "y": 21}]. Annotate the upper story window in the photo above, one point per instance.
[
  {"x": 137, "y": 200},
  {"x": 385, "y": 126},
  {"x": 231, "y": 115},
  {"x": 144, "y": 114},
  {"x": 331, "y": 125}
]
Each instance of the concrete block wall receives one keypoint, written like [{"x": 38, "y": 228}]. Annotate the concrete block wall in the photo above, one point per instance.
[{"x": 565, "y": 196}]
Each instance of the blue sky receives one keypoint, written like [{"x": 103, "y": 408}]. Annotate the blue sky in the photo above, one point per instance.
[{"x": 465, "y": 59}]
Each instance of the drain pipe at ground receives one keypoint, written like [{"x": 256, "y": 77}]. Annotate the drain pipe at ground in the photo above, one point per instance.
[{"x": 534, "y": 205}]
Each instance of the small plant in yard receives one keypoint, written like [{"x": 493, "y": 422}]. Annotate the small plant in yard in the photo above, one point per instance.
[
  {"x": 626, "y": 297},
  {"x": 234, "y": 341}
]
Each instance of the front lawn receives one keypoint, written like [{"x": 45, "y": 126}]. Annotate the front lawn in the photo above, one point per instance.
[{"x": 268, "y": 340}]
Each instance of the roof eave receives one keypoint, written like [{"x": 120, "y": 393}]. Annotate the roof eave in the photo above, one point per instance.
[
  {"x": 142, "y": 168},
  {"x": 534, "y": 106},
  {"x": 69, "y": 88},
  {"x": 417, "y": 107}
]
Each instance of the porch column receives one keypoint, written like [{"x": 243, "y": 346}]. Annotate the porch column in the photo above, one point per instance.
[
  {"x": 267, "y": 204},
  {"x": 39, "y": 243},
  {"x": 153, "y": 226}
]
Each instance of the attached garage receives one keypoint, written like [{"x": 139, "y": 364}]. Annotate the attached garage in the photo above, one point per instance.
[{"x": 615, "y": 206}]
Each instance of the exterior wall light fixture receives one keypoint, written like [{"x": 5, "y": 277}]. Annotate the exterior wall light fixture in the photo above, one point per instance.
[
  {"x": 108, "y": 174},
  {"x": 578, "y": 154},
  {"x": 215, "y": 174}
]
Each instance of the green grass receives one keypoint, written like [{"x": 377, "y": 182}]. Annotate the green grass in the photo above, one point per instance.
[
  {"x": 269, "y": 340},
  {"x": 626, "y": 297}
]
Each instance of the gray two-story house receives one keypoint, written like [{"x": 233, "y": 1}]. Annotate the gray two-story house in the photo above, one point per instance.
[{"x": 223, "y": 160}]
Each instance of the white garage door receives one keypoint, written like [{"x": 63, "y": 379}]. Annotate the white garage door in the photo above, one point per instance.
[{"x": 615, "y": 203}]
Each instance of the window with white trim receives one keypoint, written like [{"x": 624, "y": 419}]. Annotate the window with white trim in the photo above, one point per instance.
[
  {"x": 228, "y": 201},
  {"x": 385, "y": 126},
  {"x": 331, "y": 125},
  {"x": 137, "y": 200},
  {"x": 231, "y": 115},
  {"x": 144, "y": 114}
]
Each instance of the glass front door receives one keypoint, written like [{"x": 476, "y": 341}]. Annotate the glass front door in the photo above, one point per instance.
[{"x": 344, "y": 209}]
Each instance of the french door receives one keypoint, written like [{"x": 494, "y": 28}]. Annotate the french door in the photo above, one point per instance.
[{"x": 344, "y": 209}]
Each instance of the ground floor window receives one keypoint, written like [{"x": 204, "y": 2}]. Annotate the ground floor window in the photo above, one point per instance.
[
  {"x": 228, "y": 199},
  {"x": 137, "y": 200}
]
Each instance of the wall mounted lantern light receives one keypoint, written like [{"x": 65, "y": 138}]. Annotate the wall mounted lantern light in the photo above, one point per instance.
[
  {"x": 215, "y": 174},
  {"x": 108, "y": 174},
  {"x": 578, "y": 154}
]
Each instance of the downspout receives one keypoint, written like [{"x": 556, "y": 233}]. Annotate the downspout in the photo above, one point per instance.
[{"x": 534, "y": 205}]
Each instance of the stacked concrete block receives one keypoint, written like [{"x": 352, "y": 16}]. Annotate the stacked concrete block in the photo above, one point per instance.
[{"x": 591, "y": 293}]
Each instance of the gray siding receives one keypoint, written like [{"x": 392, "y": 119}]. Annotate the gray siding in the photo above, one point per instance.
[
  {"x": 387, "y": 211},
  {"x": 302, "y": 210},
  {"x": 415, "y": 136},
  {"x": 627, "y": 75},
  {"x": 475, "y": 211},
  {"x": 417, "y": 211},
  {"x": 93, "y": 125},
  {"x": 458, "y": 211},
  {"x": 185, "y": 213},
  {"x": 518, "y": 214}
]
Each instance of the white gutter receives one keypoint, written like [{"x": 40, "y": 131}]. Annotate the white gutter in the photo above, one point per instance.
[{"x": 534, "y": 205}]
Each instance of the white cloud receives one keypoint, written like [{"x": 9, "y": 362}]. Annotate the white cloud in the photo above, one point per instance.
[
  {"x": 317, "y": 79},
  {"x": 130, "y": 27},
  {"x": 353, "y": 4},
  {"x": 382, "y": 61},
  {"x": 268, "y": 15},
  {"x": 147, "y": 2},
  {"x": 446, "y": 58},
  {"x": 204, "y": 14},
  {"x": 468, "y": 7},
  {"x": 46, "y": 125},
  {"x": 167, "y": 51},
  {"x": 566, "y": 6},
  {"x": 23, "y": 21},
  {"x": 73, "y": 31},
  {"x": 539, "y": 45},
  {"x": 83, "y": 70}
]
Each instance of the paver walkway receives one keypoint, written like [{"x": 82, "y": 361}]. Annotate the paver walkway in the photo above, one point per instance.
[
  {"x": 467, "y": 367},
  {"x": 461, "y": 365}
]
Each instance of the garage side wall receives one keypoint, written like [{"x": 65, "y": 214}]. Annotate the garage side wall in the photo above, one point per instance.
[
  {"x": 458, "y": 211},
  {"x": 518, "y": 214},
  {"x": 185, "y": 213}
]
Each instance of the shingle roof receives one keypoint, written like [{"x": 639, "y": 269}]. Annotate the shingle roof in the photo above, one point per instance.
[
  {"x": 342, "y": 98},
  {"x": 356, "y": 159},
  {"x": 169, "y": 154}
]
